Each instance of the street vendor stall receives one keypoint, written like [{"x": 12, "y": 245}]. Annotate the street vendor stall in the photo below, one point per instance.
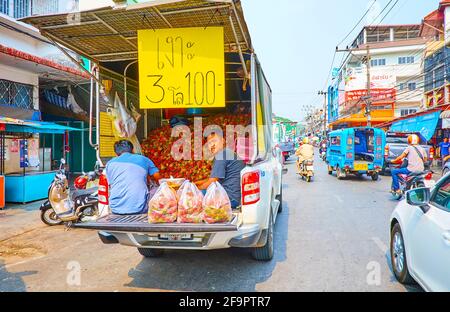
[{"x": 25, "y": 167}]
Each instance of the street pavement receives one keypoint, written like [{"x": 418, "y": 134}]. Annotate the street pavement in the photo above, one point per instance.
[{"x": 331, "y": 236}]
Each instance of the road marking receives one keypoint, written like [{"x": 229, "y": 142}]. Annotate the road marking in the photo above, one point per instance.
[
  {"x": 21, "y": 262},
  {"x": 382, "y": 246}
]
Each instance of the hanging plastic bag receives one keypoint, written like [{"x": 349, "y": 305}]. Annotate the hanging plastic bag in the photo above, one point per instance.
[
  {"x": 73, "y": 105},
  {"x": 216, "y": 205},
  {"x": 125, "y": 124},
  {"x": 190, "y": 204},
  {"x": 180, "y": 190},
  {"x": 163, "y": 206}
]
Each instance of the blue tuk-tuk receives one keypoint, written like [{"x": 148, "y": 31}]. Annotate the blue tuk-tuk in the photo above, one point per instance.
[{"x": 356, "y": 151}]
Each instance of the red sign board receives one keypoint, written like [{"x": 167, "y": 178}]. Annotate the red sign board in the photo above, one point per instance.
[
  {"x": 2, "y": 127},
  {"x": 377, "y": 95}
]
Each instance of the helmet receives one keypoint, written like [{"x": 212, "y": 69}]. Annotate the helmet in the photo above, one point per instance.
[
  {"x": 413, "y": 139},
  {"x": 81, "y": 182},
  {"x": 305, "y": 140}
]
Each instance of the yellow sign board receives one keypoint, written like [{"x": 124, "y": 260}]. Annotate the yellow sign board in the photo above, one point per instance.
[
  {"x": 107, "y": 137},
  {"x": 181, "y": 68}
]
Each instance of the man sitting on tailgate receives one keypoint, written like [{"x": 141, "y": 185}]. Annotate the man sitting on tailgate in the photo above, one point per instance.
[
  {"x": 128, "y": 175},
  {"x": 226, "y": 168}
]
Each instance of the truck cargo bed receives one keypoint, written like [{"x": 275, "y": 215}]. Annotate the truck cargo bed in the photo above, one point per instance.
[{"x": 139, "y": 223}]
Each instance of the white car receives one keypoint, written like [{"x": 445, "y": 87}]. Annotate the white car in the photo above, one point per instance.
[{"x": 420, "y": 237}]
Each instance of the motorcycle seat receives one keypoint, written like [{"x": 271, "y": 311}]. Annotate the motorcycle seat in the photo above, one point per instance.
[
  {"x": 416, "y": 174},
  {"x": 78, "y": 193}
]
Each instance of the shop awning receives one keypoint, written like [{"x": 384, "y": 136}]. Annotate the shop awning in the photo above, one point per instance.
[
  {"x": 425, "y": 124},
  {"x": 23, "y": 126}
]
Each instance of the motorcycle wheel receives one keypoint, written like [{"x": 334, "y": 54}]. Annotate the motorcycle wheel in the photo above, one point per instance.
[
  {"x": 48, "y": 216},
  {"x": 308, "y": 179}
]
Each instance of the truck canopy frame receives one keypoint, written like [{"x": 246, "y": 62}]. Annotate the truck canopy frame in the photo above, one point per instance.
[{"x": 109, "y": 34}]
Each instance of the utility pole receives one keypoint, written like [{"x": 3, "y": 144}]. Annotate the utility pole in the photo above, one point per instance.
[
  {"x": 324, "y": 93},
  {"x": 369, "y": 95}
]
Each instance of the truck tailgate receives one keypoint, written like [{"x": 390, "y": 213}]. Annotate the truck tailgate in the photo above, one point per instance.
[{"x": 139, "y": 224}]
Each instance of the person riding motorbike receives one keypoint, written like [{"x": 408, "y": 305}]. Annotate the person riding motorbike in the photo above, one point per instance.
[
  {"x": 416, "y": 156},
  {"x": 304, "y": 152}
]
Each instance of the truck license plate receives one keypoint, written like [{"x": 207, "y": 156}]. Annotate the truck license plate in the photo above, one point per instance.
[
  {"x": 361, "y": 167},
  {"x": 176, "y": 237}
]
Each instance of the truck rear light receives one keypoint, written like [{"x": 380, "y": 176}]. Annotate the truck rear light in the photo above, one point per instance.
[
  {"x": 103, "y": 190},
  {"x": 386, "y": 151},
  {"x": 250, "y": 188},
  {"x": 431, "y": 153}
]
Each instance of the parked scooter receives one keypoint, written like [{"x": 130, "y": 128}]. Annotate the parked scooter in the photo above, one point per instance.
[
  {"x": 65, "y": 205},
  {"x": 412, "y": 181},
  {"x": 306, "y": 170}
]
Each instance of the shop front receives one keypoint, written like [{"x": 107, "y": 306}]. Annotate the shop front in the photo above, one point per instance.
[
  {"x": 425, "y": 124},
  {"x": 26, "y": 168}
]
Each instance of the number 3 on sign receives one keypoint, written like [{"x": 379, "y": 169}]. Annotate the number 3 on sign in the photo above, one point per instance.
[{"x": 181, "y": 67}]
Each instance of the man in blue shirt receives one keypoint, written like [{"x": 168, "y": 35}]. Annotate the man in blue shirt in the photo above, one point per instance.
[
  {"x": 226, "y": 168},
  {"x": 128, "y": 175},
  {"x": 444, "y": 149}
]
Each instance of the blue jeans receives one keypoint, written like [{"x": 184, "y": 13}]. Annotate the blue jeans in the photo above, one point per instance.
[{"x": 395, "y": 179}]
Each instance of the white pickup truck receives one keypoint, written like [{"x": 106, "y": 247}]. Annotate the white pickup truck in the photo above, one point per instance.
[{"x": 252, "y": 224}]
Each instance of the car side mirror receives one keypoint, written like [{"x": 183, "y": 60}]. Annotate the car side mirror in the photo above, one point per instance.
[{"x": 419, "y": 197}]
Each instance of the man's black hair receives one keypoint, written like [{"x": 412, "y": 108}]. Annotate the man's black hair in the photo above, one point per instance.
[{"x": 123, "y": 146}]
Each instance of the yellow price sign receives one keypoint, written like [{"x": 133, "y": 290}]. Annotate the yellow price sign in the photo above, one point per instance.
[{"x": 181, "y": 67}]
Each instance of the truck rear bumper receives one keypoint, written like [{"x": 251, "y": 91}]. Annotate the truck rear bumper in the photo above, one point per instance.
[
  {"x": 243, "y": 237},
  {"x": 136, "y": 231}
]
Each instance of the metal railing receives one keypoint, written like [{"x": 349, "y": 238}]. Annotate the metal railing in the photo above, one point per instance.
[{"x": 16, "y": 94}]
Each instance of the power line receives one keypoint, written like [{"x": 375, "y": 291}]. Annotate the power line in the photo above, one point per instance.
[
  {"x": 390, "y": 1},
  {"x": 357, "y": 24},
  {"x": 395, "y": 3},
  {"x": 351, "y": 31}
]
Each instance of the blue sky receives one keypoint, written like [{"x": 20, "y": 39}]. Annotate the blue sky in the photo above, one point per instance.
[{"x": 295, "y": 41}]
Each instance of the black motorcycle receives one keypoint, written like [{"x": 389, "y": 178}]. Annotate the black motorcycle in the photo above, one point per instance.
[{"x": 411, "y": 181}]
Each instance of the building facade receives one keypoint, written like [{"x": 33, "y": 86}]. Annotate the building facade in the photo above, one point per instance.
[
  {"x": 23, "y": 8},
  {"x": 396, "y": 64},
  {"x": 39, "y": 83}
]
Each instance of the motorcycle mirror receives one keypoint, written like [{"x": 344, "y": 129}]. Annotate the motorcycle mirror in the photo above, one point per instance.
[{"x": 63, "y": 161}]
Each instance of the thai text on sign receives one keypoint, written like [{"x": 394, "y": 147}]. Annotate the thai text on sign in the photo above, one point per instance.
[{"x": 181, "y": 68}]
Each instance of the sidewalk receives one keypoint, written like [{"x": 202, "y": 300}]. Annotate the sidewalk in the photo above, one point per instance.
[{"x": 17, "y": 219}]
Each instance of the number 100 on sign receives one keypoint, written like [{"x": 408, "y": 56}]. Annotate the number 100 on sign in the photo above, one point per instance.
[{"x": 181, "y": 68}]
